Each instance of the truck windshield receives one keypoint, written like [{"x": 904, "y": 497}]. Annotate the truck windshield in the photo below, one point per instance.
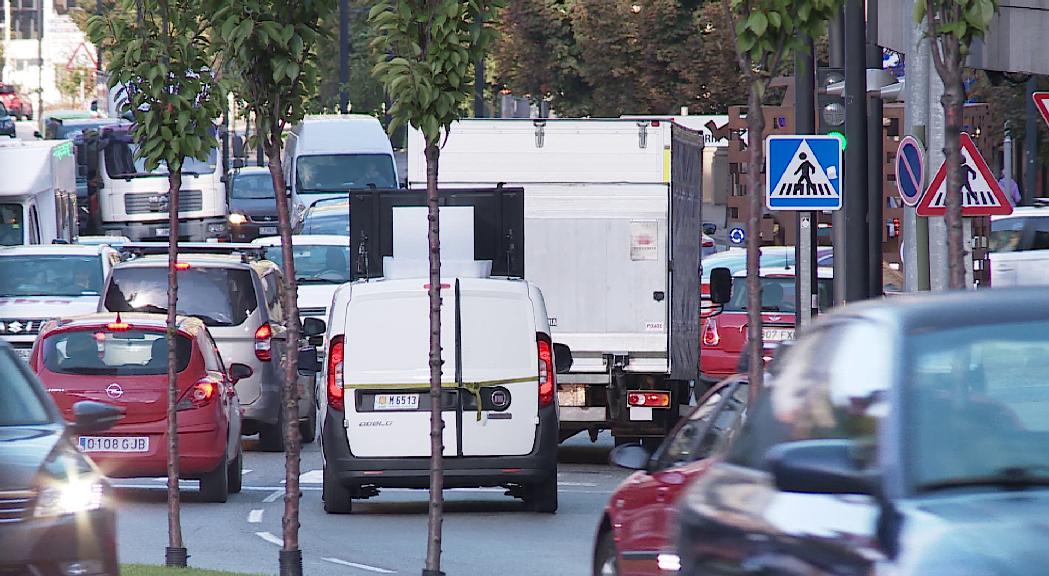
[
  {"x": 342, "y": 172},
  {"x": 11, "y": 224},
  {"x": 50, "y": 276},
  {"x": 121, "y": 162},
  {"x": 218, "y": 296}
]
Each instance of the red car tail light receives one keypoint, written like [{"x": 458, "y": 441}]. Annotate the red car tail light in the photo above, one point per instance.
[
  {"x": 182, "y": 266},
  {"x": 711, "y": 337},
  {"x": 648, "y": 399},
  {"x": 547, "y": 383},
  {"x": 199, "y": 396},
  {"x": 336, "y": 394},
  {"x": 263, "y": 344}
]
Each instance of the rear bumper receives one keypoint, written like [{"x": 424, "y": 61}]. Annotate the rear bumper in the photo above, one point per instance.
[
  {"x": 200, "y": 451},
  {"x": 44, "y": 546},
  {"x": 459, "y": 472}
]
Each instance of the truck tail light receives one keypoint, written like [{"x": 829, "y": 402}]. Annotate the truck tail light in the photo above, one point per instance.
[
  {"x": 263, "y": 343},
  {"x": 199, "y": 395},
  {"x": 547, "y": 385},
  {"x": 336, "y": 394},
  {"x": 648, "y": 399},
  {"x": 711, "y": 337}
]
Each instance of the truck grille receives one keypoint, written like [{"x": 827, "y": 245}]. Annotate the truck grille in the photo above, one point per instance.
[
  {"x": 15, "y": 505},
  {"x": 147, "y": 202},
  {"x": 20, "y": 327},
  {"x": 263, "y": 218}
]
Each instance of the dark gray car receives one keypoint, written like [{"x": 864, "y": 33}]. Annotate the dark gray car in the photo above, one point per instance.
[{"x": 906, "y": 437}]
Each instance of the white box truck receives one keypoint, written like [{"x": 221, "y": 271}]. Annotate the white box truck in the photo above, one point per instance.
[
  {"x": 37, "y": 192},
  {"x": 612, "y": 227}
]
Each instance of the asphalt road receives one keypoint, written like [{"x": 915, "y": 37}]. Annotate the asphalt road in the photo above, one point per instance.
[{"x": 485, "y": 532}]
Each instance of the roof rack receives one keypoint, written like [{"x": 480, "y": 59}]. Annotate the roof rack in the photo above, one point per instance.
[{"x": 246, "y": 252}]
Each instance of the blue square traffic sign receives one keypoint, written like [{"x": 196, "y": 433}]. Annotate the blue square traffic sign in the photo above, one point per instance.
[{"x": 803, "y": 172}]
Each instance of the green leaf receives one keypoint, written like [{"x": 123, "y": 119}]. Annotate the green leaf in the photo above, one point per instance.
[{"x": 758, "y": 22}]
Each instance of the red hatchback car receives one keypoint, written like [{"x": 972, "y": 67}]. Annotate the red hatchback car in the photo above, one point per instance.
[
  {"x": 633, "y": 536},
  {"x": 123, "y": 362}
]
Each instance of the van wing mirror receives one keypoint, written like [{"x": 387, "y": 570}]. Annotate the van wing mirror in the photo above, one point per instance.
[
  {"x": 238, "y": 372},
  {"x": 562, "y": 358},
  {"x": 308, "y": 361},
  {"x": 313, "y": 327},
  {"x": 720, "y": 285},
  {"x": 709, "y": 229}
]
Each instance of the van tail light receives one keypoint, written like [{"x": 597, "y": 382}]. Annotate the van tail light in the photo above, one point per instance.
[
  {"x": 336, "y": 394},
  {"x": 707, "y": 243},
  {"x": 711, "y": 337},
  {"x": 263, "y": 343},
  {"x": 547, "y": 384},
  {"x": 199, "y": 395},
  {"x": 648, "y": 399}
]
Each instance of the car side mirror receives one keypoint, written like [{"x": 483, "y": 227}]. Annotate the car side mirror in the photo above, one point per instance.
[
  {"x": 630, "y": 456},
  {"x": 238, "y": 372},
  {"x": 308, "y": 361},
  {"x": 37, "y": 135},
  {"x": 95, "y": 416},
  {"x": 313, "y": 327},
  {"x": 709, "y": 229},
  {"x": 238, "y": 163},
  {"x": 562, "y": 358},
  {"x": 819, "y": 467},
  {"x": 720, "y": 285}
]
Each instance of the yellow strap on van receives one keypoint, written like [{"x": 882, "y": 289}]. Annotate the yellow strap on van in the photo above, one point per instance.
[{"x": 471, "y": 387}]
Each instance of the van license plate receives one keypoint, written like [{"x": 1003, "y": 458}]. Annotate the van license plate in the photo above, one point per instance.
[
  {"x": 396, "y": 401},
  {"x": 162, "y": 232},
  {"x": 114, "y": 443},
  {"x": 268, "y": 230}
]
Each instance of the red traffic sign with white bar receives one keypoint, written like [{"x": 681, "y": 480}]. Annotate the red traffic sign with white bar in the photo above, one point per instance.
[{"x": 981, "y": 194}]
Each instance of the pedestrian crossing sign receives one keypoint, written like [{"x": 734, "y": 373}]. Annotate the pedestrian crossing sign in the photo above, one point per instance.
[
  {"x": 803, "y": 172},
  {"x": 981, "y": 194}
]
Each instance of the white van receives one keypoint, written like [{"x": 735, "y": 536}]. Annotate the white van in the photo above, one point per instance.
[
  {"x": 1020, "y": 247},
  {"x": 37, "y": 192},
  {"x": 328, "y": 155}
]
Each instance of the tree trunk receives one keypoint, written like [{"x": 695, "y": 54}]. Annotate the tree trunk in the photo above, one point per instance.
[
  {"x": 291, "y": 555},
  {"x": 953, "y": 100},
  {"x": 755, "y": 180},
  {"x": 173, "y": 556},
  {"x": 433, "y": 543}
]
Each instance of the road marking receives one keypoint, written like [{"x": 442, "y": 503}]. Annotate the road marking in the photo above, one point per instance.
[
  {"x": 268, "y": 537},
  {"x": 273, "y": 497},
  {"x": 255, "y": 516},
  {"x": 312, "y": 477},
  {"x": 581, "y": 484},
  {"x": 360, "y": 566}
]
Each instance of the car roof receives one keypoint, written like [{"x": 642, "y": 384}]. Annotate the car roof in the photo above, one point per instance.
[
  {"x": 204, "y": 260},
  {"x": 328, "y": 203},
  {"x": 306, "y": 240},
  {"x": 249, "y": 170},
  {"x": 785, "y": 272},
  {"x": 1021, "y": 211},
  {"x": 188, "y": 324},
  {"x": 55, "y": 250}
]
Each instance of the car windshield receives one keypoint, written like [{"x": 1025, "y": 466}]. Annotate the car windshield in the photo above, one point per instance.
[
  {"x": 777, "y": 295},
  {"x": 253, "y": 187},
  {"x": 316, "y": 264},
  {"x": 121, "y": 162},
  {"x": 977, "y": 406},
  {"x": 42, "y": 275},
  {"x": 1006, "y": 234},
  {"x": 104, "y": 353},
  {"x": 327, "y": 218},
  {"x": 11, "y": 225},
  {"x": 22, "y": 405},
  {"x": 341, "y": 172},
  {"x": 218, "y": 296}
]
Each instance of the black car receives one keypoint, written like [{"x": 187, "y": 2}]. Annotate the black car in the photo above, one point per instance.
[
  {"x": 55, "y": 513},
  {"x": 252, "y": 208},
  {"x": 903, "y": 437},
  {"x": 7, "y": 123}
]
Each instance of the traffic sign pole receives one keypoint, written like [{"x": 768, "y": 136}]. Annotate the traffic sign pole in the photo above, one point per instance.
[{"x": 805, "y": 275}]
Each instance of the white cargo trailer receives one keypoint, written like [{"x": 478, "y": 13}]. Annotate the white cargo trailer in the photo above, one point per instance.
[{"x": 612, "y": 237}]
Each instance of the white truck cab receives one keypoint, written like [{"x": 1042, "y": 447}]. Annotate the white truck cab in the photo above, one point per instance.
[
  {"x": 38, "y": 283},
  {"x": 38, "y": 203}
]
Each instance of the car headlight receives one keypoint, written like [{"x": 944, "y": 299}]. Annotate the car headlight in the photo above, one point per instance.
[
  {"x": 237, "y": 219},
  {"x": 216, "y": 228},
  {"x": 73, "y": 496}
]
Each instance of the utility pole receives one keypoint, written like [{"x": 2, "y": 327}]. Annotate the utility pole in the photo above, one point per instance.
[
  {"x": 836, "y": 37},
  {"x": 1030, "y": 144},
  {"x": 805, "y": 246},
  {"x": 916, "y": 118},
  {"x": 857, "y": 284},
  {"x": 7, "y": 39},
  {"x": 344, "y": 56},
  {"x": 875, "y": 161}
]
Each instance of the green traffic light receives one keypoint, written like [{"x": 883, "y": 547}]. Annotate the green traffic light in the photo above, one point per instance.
[{"x": 839, "y": 136}]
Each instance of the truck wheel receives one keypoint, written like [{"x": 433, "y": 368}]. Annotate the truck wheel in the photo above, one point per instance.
[
  {"x": 542, "y": 496},
  {"x": 308, "y": 428},
  {"x": 236, "y": 473},
  {"x": 214, "y": 486},
  {"x": 605, "y": 561},
  {"x": 271, "y": 436},
  {"x": 336, "y": 497}
]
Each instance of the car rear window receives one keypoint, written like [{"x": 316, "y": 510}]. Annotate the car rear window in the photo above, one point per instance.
[
  {"x": 218, "y": 296},
  {"x": 128, "y": 353}
]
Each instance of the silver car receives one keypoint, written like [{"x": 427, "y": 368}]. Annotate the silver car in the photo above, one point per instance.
[{"x": 239, "y": 299}]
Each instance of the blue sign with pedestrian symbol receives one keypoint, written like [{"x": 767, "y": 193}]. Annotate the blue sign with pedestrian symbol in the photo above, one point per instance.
[
  {"x": 803, "y": 172},
  {"x": 737, "y": 235},
  {"x": 910, "y": 171}
]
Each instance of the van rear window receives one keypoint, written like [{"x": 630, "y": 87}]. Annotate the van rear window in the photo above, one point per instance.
[
  {"x": 218, "y": 296},
  {"x": 129, "y": 353}
]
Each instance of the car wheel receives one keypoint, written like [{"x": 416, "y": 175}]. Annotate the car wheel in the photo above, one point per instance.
[
  {"x": 336, "y": 497},
  {"x": 271, "y": 436},
  {"x": 308, "y": 428},
  {"x": 605, "y": 561},
  {"x": 214, "y": 486},
  {"x": 542, "y": 496},
  {"x": 236, "y": 473}
]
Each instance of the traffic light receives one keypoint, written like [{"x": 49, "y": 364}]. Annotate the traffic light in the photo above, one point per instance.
[{"x": 830, "y": 117}]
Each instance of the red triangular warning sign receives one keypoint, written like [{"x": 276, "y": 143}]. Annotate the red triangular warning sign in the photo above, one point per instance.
[
  {"x": 1041, "y": 102},
  {"x": 981, "y": 194}
]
